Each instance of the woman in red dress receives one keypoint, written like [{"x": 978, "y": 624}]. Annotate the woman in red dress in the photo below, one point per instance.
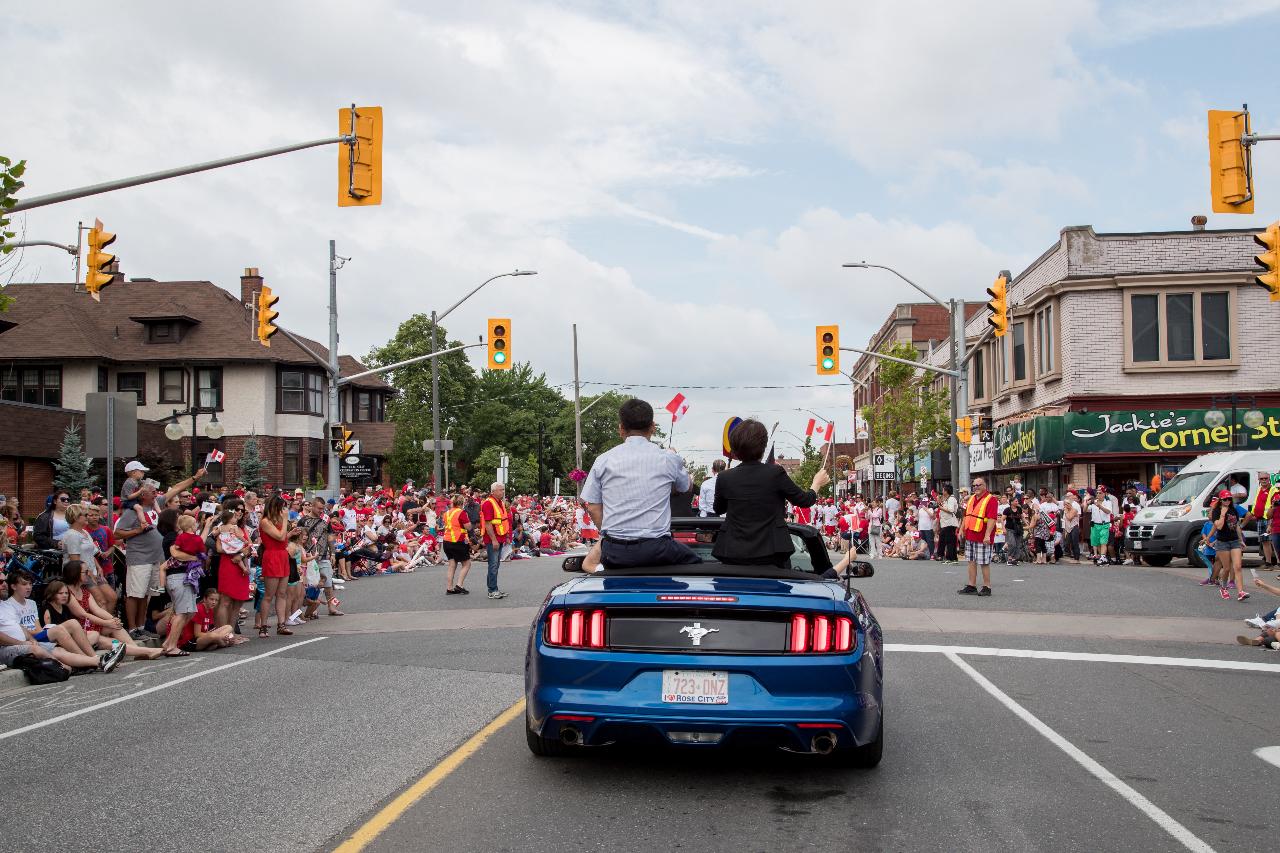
[
  {"x": 273, "y": 552},
  {"x": 232, "y": 539}
]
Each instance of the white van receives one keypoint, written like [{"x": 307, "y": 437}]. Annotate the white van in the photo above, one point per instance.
[{"x": 1170, "y": 525}]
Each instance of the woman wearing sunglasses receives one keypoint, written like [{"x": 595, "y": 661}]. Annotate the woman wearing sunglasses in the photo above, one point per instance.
[{"x": 51, "y": 524}]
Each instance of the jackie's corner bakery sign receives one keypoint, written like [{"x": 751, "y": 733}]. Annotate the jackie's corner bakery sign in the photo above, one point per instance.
[
  {"x": 1030, "y": 442},
  {"x": 1165, "y": 431}
]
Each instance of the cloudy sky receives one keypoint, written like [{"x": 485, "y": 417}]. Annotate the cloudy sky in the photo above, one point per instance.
[{"x": 686, "y": 178}]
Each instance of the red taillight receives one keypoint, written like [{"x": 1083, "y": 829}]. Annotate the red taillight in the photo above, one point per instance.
[
  {"x": 580, "y": 718},
  {"x": 584, "y": 628},
  {"x": 821, "y": 634},
  {"x": 799, "y": 633},
  {"x": 596, "y": 636},
  {"x": 844, "y": 634}
]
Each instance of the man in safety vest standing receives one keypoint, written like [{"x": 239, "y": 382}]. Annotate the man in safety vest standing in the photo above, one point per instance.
[
  {"x": 497, "y": 532},
  {"x": 456, "y": 547},
  {"x": 979, "y": 535}
]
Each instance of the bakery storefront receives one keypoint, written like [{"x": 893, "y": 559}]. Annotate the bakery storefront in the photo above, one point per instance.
[
  {"x": 1120, "y": 447},
  {"x": 1031, "y": 452}
]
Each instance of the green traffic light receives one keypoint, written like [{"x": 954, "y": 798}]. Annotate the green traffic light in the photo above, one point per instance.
[
  {"x": 500, "y": 357},
  {"x": 828, "y": 364}
]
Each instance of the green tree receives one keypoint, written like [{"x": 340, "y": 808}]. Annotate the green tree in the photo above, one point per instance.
[
  {"x": 411, "y": 409},
  {"x": 74, "y": 469},
  {"x": 512, "y": 409},
  {"x": 522, "y": 472},
  {"x": 803, "y": 475},
  {"x": 911, "y": 417},
  {"x": 10, "y": 184},
  {"x": 250, "y": 467},
  {"x": 599, "y": 430}
]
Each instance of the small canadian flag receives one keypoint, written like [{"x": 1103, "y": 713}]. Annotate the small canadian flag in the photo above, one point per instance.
[
  {"x": 677, "y": 407},
  {"x": 831, "y": 429},
  {"x": 216, "y": 456},
  {"x": 813, "y": 424}
]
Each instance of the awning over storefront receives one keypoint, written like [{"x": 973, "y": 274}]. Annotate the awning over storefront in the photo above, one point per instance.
[{"x": 1035, "y": 441}]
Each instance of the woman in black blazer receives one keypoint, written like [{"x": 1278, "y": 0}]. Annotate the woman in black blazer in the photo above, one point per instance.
[{"x": 753, "y": 499}]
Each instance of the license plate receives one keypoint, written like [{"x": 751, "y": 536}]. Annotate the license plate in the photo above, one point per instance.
[
  {"x": 695, "y": 686},
  {"x": 1137, "y": 545}
]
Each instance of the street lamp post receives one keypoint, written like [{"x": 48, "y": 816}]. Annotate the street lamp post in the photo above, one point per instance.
[
  {"x": 1215, "y": 418},
  {"x": 213, "y": 429},
  {"x": 959, "y": 382},
  {"x": 435, "y": 374}
]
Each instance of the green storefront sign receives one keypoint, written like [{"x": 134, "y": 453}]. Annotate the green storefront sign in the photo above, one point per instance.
[
  {"x": 1035, "y": 441},
  {"x": 1163, "y": 431}
]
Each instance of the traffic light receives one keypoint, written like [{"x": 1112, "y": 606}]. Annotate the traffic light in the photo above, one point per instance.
[
  {"x": 1269, "y": 260},
  {"x": 266, "y": 317},
  {"x": 97, "y": 264},
  {"x": 964, "y": 430},
  {"x": 827, "y": 343},
  {"x": 999, "y": 305},
  {"x": 1230, "y": 162},
  {"x": 336, "y": 440},
  {"x": 499, "y": 344},
  {"x": 360, "y": 165}
]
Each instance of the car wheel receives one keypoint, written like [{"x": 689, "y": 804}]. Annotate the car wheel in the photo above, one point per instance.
[
  {"x": 1158, "y": 560},
  {"x": 545, "y": 747},
  {"x": 866, "y": 756}
]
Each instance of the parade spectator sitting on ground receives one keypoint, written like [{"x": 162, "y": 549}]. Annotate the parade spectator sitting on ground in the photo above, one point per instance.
[
  {"x": 1268, "y": 623},
  {"x": 22, "y": 634},
  {"x": 69, "y": 598},
  {"x": 914, "y": 547},
  {"x": 201, "y": 632}
]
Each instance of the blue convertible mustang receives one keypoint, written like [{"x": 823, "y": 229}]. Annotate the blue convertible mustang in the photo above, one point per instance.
[{"x": 710, "y": 655}]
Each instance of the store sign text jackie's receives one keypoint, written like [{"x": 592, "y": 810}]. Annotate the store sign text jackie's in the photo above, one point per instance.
[{"x": 1174, "y": 430}]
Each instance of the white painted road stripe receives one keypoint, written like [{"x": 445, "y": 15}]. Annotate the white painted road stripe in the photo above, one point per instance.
[
  {"x": 1205, "y": 663},
  {"x": 69, "y": 715},
  {"x": 1184, "y": 836},
  {"x": 1269, "y": 754}
]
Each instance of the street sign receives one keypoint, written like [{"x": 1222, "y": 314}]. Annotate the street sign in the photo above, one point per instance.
[
  {"x": 357, "y": 467},
  {"x": 445, "y": 444},
  {"x": 884, "y": 475},
  {"x": 862, "y": 435},
  {"x": 557, "y": 489},
  {"x": 124, "y": 424},
  {"x": 884, "y": 463},
  {"x": 355, "y": 447}
]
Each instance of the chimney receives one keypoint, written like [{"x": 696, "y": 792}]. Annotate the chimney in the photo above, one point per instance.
[
  {"x": 1198, "y": 222},
  {"x": 250, "y": 284}
]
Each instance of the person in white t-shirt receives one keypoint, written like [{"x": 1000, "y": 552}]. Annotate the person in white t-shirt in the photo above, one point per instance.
[{"x": 925, "y": 524}]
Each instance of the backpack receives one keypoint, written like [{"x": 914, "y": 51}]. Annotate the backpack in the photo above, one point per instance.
[{"x": 39, "y": 671}]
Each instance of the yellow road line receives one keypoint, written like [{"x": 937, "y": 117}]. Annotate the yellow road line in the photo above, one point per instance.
[{"x": 364, "y": 836}]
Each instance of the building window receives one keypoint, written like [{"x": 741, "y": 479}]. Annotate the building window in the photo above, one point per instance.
[
  {"x": 135, "y": 382},
  {"x": 173, "y": 385},
  {"x": 162, "y": 333},
  {"x": 215, "y": 475},
  {"x": 103, "y": 385},
  {"x": 1018, "y": 365},
  {"x": 40, "y": 386},
  {"x": 979, "y": 374},
  {"x": 1046, "y": 341},
  {"x": 301, "y": 392},
  {"x": 1186, "y": 329},
  {"x": 293, "y": 462},
  {"x": 209, "y": 388},
  {"x": 369, "y": 406}
]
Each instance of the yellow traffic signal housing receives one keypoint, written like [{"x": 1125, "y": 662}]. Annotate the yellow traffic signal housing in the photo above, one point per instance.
[
  {"x": 826, "y": 341},
  {"x": 964, "y": 430},
  {"x": 347, "y": 445},
  {"x": 266, "y": 316},
  {"x": 97, "y": 264},
  {"x": 360, "y": 165},
  {"x": 999, "y": 305},
  {"x": 1269, "y": 260},
  {"x": 499, "y": 350},
  {"x": 1230, "y": 162}
]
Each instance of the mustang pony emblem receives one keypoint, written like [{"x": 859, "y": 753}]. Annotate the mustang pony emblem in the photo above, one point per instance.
[{"x": 696, "y": 632}]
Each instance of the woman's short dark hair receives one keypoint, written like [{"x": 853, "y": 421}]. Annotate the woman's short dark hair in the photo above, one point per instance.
[
  {"x": 748, "y": 441},
  {"x": 167, "y": 521},
  {"x": 635, "y": 415}
]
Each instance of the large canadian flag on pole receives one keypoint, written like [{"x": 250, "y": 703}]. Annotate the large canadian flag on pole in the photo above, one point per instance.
[{"x": 677, "y": 407}]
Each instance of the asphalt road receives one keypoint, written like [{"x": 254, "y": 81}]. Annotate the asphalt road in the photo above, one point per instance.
[{"x": 304, "y": 738}]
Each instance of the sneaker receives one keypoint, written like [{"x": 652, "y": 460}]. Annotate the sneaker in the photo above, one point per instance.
[
  {"x": 462, "y": 590},
  {"x": 1242, "y": 596},
  {"x": 1274, "y": 646},
  {"x": 295, "y": 620},
  {"x": 107, "y": 660},
  {"x": 1223, "y": 592},
  {"x": 1206, "y": 581},
  {"x": 497, "y": 593},
  {"x": 1127, "y": 563},
  {"x": 1256, "y": 622},
  {"x": 1231, "y": 584},
  {"x": 294, "y": 616},
  {"x": 968, "y": 589},
  {"x": 451, "y": 591},
  {"x": 985, "y": 591}
]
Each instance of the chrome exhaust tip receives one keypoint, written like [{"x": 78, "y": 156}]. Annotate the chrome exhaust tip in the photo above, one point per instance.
[
  {"x": 823, "y": 744},
  {"x": 570, "y": 736}
]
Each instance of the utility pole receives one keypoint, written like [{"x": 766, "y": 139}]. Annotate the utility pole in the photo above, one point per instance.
[
  {"x": 960, "y": 406},
  {"x": 541, "y": 482},
  {"x": 577, "y": 415},
  {"x": 335, "y": 417},
  {"x": 435, "y": 411}
]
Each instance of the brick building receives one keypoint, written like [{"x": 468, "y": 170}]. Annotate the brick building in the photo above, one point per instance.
[
  {"x": 180, "y": 345},
  {"x": 1117, "y": 347}
]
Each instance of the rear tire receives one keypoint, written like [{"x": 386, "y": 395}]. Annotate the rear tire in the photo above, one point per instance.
[
  {"x": 541, "y": 746},
  {"x": 863, "y": 757},
  {"x": 1157, "y": 560}
]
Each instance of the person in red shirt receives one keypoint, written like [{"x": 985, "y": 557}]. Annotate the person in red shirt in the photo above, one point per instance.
[
  {"x": 979, "y": 537},
  {"x": 201, "y": 632}
]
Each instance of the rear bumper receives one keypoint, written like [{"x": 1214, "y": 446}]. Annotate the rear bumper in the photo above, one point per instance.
[{"x": 781, "y": 701}]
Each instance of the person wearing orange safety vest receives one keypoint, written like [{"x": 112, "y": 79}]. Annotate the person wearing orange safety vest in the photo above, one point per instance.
[
  {"x": 457, "y": 549},
  {"x": 495, "y": 516},
  {"x": 979, "y": 531}
]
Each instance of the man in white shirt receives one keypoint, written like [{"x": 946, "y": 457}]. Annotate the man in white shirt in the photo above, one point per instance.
[
  {"x": 892, "y": 505},
  {"x": 707, "y": 494},
  {"x": 1100, "y": 515}
]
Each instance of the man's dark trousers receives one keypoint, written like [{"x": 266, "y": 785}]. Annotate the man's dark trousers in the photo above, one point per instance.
[{"x": 662, "y": 551}]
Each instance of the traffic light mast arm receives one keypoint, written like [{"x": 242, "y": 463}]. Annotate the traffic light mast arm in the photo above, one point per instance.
[
  {"x": 323, "y": 362},
  {"x": 69, "y": 249},
  {"x": 125, "y": 183},
  {"x": 347, "y": 379},
  {"x": 918, "y": 364}
]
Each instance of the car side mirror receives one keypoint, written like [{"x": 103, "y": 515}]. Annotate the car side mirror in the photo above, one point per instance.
[{"x": 860, "y": 569}]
